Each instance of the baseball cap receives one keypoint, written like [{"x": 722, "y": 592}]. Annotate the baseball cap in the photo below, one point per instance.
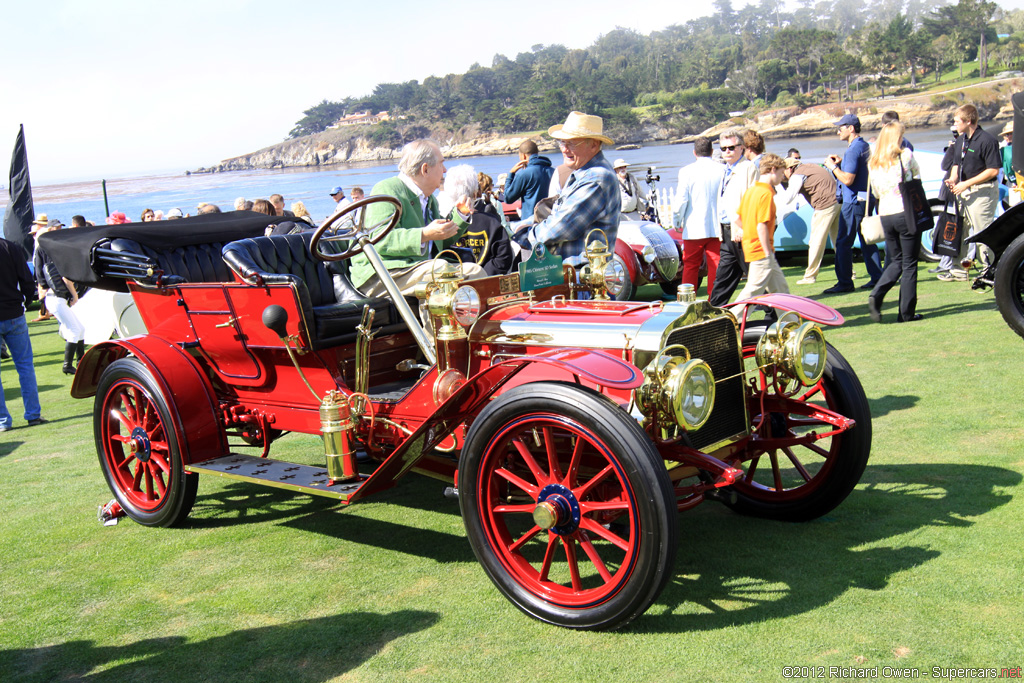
[
  {"x": 337, "y": 190},
  {"x": 848, "y": 120},
  {"x": 174, "y": 213}
]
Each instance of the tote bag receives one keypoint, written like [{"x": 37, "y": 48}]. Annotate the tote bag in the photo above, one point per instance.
[
  {"x": 916, "y": 210},
  {"x": 949, "y": 233}
]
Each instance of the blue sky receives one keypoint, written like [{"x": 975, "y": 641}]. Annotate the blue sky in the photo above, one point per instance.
[
  {"x": 113, "y": 87},
  {"x": 108, "y": 88}
]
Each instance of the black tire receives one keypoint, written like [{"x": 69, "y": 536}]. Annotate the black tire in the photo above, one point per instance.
[
  {"x": 775, "y": 487},
  {"x": 138, "y": 448},
  {"x": 628, "y": 291},
  {"x": 1009, "y": 285},
  {"x": 621, "y": 535},
  {"x": 926, "y": 254}
]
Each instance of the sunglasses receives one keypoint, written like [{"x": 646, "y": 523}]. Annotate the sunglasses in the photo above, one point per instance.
[{"x": 729, "y": 148}]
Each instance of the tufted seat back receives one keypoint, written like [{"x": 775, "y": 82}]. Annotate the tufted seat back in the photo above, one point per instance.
[
  {"x": 195, "y": 263},
  {"x": 329, "y": 302}
]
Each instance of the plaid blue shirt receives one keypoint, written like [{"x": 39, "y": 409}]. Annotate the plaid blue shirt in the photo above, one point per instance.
[{"x": 590, "y": 199}]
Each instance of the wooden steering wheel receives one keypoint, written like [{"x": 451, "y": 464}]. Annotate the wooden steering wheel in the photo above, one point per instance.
[{"x": 359, "y": 234}]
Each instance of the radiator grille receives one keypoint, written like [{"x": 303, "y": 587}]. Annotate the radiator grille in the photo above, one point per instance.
[{"x": 717, "y": 344}]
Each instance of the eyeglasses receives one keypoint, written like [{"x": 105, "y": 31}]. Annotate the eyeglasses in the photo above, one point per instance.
[
  {"x": 728, "y": 148},
  {"x": 572, "y": 144}
]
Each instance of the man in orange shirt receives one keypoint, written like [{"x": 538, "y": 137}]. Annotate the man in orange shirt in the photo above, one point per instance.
[{"x": 757, "y": 217}]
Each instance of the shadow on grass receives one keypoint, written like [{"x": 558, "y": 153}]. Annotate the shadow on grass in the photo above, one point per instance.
[
  {"x": 250, "y": 504},
  {"x": 422, "y": 542},
  {"x": 857, "y": 316},
  {"x": 242, "y": 503},
  {"x": 308, "y": 650},
  {"x": 736, "y": 570},
  {"x": 884, "y": 405},
  {"x": 9, "y": 445}
]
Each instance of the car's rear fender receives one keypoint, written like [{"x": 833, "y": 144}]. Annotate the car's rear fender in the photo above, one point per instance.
[
  {"x": 1003, "y": 230},
  {"x": 187, "y": 389}
]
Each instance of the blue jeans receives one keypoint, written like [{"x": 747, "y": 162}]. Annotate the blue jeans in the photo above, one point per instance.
[
  {"x": 849, "y": 228},
  {"x": 15, "y": 334}
]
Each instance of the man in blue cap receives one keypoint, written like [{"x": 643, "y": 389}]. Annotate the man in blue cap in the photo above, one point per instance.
[
  {"x": 341, "y": 201},
  {"x": 851, "y": 172}
]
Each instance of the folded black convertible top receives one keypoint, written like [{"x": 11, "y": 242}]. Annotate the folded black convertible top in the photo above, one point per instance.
[{"x": 72, "y": 248}]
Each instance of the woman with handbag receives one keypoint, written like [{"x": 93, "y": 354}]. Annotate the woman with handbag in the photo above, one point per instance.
[{"x": 889, "y": 167}]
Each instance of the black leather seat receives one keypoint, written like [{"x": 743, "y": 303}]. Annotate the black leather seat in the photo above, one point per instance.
[
  {"x": 329, "y": 302},
  {"x": 194, "y": 263}
]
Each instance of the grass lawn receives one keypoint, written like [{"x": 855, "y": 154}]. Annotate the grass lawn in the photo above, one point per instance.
[{"x": 921, "y": 567}]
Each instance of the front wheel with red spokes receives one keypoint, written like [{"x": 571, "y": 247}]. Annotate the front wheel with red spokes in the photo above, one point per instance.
[
  {"x": 138, "y": 446},
  {"x": 810, "y": 444},
  {"x": 568, "y": 506}
]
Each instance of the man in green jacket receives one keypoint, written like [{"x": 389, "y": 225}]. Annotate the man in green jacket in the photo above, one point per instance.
[{"x": 406, "y": 251}]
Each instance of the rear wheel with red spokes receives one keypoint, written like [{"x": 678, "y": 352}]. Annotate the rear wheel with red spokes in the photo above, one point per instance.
[
  {"x": 138, "y": 447},
  {"x": 805, "y": 457},
  {"x": 568, "y": 506}
]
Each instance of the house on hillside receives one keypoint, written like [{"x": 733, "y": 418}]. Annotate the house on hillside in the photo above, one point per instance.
[{"x": 362, "y": 118}]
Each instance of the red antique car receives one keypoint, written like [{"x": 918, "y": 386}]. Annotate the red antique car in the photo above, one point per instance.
[{"x": 573, "y": 431}]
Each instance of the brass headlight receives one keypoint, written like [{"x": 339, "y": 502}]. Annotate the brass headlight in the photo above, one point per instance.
[
  {"x": 451, "y": 305},
  {"x": 678, "y": 389},
  {"x": 614, "y": 277},
  {"x": 797, "y": 349},
  {"x": 466, "y": 305}
]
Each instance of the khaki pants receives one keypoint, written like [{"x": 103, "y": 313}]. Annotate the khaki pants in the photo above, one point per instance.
[
  {"x": 408, "y": 278},
  {"x": 978, "y": 207},
  {"x": 764, "y": 276},
  {"x": 824, "y": 224}
]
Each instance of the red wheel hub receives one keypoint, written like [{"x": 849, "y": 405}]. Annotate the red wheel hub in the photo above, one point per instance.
[{"x": 135, "y": 445}]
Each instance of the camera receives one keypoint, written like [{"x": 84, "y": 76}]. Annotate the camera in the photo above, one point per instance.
[{"x": 651, "y": 178}]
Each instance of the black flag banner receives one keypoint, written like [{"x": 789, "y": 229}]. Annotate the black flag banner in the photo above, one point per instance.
[{"x": 20, "y": 212}]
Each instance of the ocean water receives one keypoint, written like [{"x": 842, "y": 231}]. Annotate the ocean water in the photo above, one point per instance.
[{"x": 311, "y": 186}]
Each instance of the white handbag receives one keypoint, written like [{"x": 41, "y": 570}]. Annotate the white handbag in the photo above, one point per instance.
[{"x": 871, "y": 229}]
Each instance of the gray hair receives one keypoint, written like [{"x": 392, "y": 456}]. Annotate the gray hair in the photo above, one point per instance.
[
  {"x": 240, "y": 204},
  {"x": 461, "y": 181},
  {"x": 731, "y": 133},
  {"x": 417, "y": 153}
]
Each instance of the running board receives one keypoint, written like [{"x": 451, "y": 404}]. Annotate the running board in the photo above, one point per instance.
[{"x": 277, "y": 473}]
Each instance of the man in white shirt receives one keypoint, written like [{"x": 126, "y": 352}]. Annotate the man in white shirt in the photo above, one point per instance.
[
  {"x": 695, "y": 211},
  {"x": 740, "y": 174}
]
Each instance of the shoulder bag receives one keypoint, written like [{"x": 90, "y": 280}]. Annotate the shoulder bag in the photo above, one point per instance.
[
  {"x": 871, "y": 231},
  {"x": 916, "y": 210}
]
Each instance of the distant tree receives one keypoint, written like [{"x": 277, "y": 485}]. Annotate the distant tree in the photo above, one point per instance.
[
  {"x": 745, "y": 81},
  {"x": 842, "y": 65},
  {"x": 967, "y": 25},
  {"x": 317, "y": 118},
  {"x": 772, "y": 76}
]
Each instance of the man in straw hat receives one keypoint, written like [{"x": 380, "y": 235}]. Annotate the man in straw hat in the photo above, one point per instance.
[{"x": 590, "y": 198}]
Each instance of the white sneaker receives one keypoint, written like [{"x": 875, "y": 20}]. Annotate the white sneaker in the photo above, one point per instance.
[{"x": 806, "y": 281}]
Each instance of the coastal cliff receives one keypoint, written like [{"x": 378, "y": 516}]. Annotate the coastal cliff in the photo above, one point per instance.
[{"x": 347, "y": 145}]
